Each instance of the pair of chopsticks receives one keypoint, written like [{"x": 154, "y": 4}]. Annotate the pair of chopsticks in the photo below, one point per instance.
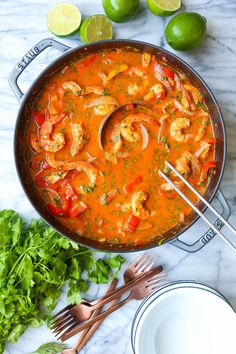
[{"x": 194, "y": 207}]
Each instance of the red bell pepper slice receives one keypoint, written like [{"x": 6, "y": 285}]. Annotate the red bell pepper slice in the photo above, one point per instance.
[
  {"x": 69, "y": 191},
  {"x": 37, "y": 164},
  {"x": 78, "y": 209},
  {"x": 57, "y": 211},
  {"x": 59, "y": 204},
  {"x": 130, "y": 186},
  {"x": 88, "y": 61},
  {"x": 168, "y": 72},
  {"x": 107, "y": 197},
  {"x": 38, "y": 117},
  {"x": 132, "y": 223},
  {"x": 40, "y": 179}
]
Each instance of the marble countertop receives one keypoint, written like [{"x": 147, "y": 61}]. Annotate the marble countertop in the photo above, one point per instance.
[{"x": 22, "y": 24}]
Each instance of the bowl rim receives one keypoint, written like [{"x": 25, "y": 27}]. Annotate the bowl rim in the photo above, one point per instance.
[{"x": 167, "y": 288}]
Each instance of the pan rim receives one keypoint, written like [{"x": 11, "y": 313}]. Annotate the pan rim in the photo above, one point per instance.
[{"x": 84, "y": 241}]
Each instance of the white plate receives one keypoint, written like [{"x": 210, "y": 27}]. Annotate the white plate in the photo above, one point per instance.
[
  {"x": 167, "y": 287},
  {"x": 186, "y": 321}
]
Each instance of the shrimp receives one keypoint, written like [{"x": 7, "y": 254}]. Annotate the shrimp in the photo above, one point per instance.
[
  {"x": 133, "y": 89},
  {"x": 196, "y": 166},
  {"x": 72, "y": 86},
  {"x": 203, "y": 127},
  {"x": 103, "y": 109},
  {"x": 34, "y": 143},
  {"x": 127, "y": 130},
  {"x": 51, "y": 160},
  {"x": 114, "y": 156},
  {"x": 79, "y": 138},
  {"x": 116, "y": 138},
  {"x": 83, "y": 166},
  {"x": 54, "y": 119},
  {"x": 176, "y": 129},
  {"x": 54, "y": 145},
  {"x": 155, "y": 91},
  {"x": 182, "y": 166},
  {"x": 137, "y": 71},
  {"x": 55, "y": 177},
  {"x": 137, "y": 201}
]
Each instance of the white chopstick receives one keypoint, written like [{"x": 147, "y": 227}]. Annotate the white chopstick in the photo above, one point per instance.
[{"x": 194, "y": 207}]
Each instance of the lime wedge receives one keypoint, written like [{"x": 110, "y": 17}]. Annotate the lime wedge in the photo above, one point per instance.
[
  {"x": 96, "y": 28},
  {"x": 64, "y": 20},
  {"x": 163, "y": 7}
]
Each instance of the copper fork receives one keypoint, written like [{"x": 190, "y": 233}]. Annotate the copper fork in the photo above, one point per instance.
[
  {"x": 88, "y": 332},
  {"x": 136, "y": 273},
  {"x": 64, "y": 318},
  {"x": 138, "y": 292}
]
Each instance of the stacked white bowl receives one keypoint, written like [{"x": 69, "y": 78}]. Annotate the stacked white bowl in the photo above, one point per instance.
[{"x": 184, "y": 318}]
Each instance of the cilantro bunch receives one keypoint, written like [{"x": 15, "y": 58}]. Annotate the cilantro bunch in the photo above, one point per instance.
[{"x": 35, "y": 262}]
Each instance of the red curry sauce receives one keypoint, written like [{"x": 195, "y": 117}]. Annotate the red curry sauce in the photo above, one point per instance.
[{"x": 116, "y": 195}]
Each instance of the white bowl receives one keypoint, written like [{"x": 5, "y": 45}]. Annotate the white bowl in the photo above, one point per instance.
[{"x": 184, "y": 318}]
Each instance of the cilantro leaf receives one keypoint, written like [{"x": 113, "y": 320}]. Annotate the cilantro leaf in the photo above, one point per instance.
[
  {"x": 35, "y": 262},
  {"x": 50, "y": 348}
]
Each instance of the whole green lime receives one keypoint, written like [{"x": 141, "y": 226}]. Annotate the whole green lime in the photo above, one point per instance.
[
  {"x": 120, "y": 10},
  {"x": 185, "y": 31}
]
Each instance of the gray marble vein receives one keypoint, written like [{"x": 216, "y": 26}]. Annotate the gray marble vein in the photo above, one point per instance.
[{"x": 22, "y": 24}]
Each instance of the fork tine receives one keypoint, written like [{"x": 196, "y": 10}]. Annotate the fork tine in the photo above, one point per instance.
[
  {"x": 58, "y": 321},
  {"x": 148, "y": 265},
  {"x": 57, "y": 324},
  {"x": 66, "y": 325},
  {"x": 158, "y": 285},
  {"x": 144, "y": 261},
  {"x": 68, "y": 307},
  {"x": 138, "y": 260},
  {"x": 155, "y": 278},
  {"x": 156, "y": 281},
  {"x": 66, "y": 331}
]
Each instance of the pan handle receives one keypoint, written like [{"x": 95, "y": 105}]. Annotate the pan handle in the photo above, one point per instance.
[
  {"x": 209, "y": 234},
  {"x": 26, "y": 60}
]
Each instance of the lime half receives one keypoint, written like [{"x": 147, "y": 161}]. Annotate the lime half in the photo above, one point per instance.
[
  {"x": 163, "y": 7},
  {"x": 96, "y": 28},
  {"x": 64, "y": 20}
]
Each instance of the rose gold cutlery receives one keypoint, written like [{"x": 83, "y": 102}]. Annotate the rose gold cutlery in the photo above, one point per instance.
[
  {"x": 88, "y": 332},
  {"x": 85, "y": 309},
  {"x": 142, "y": 280}
]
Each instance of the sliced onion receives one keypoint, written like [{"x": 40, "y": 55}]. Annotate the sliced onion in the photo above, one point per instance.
[
  {"x": 145, "y": 136},
  {"x": 161, "y": 130},
  {"x": 182, "y": 109},
  {"x": 204, "y": 146},
  {"x": 102, "y": 100}
]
